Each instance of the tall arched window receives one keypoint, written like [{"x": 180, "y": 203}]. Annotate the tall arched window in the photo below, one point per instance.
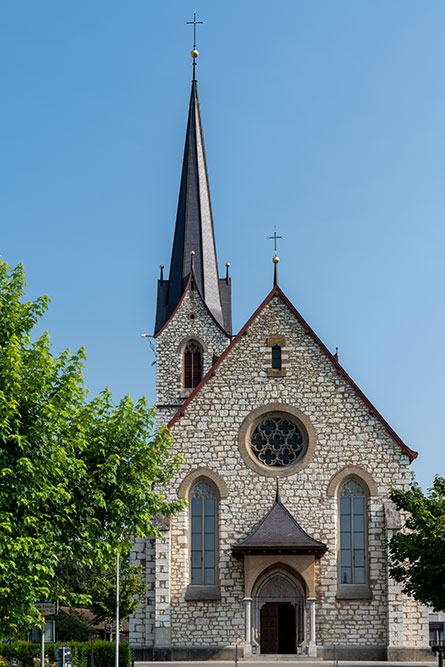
[
  {"x": 353, "y": 518},
  {"x": 203, "y": 521},
  {"x": 192, "y": 364}
]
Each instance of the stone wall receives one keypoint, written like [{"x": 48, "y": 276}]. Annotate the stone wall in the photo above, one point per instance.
[
  {"x": 415, "y": 623},
  {"x": 142, "y": 622},
  {"x": 191, "y": 320},
  {"x": 347, "y": 434}
]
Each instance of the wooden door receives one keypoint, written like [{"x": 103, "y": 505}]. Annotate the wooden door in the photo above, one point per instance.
[
  {"x": 269, "y": 627},
  {"x": 287, "y": 635}
]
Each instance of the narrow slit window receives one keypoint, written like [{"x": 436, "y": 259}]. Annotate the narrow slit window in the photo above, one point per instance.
[{"x": 276, "y": 357}]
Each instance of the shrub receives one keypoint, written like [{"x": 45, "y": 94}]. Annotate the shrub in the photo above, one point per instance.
[
  {"x": 80, "y": 652},
  {"x": 104, "y": 654},
  {"x": 26, "y": 652}
]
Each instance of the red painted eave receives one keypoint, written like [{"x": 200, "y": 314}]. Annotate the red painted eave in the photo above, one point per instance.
[
  {"x": 187, "y": 287},
  {"x": 212, "y": 370},
  {"x": 177, "y": 307},
  {"x": 276, "y": 291}
]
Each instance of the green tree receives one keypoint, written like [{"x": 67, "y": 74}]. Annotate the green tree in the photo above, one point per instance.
[
  {"x": 99, "y": 583},
  {"x": 417, "y": 554},
  {"x": 102, "y": 591},
  {"x": 73, "y": 626},
  {"x": 78, "y": 478}
]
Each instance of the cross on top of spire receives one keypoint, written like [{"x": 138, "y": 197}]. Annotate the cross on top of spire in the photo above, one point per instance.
[
  {"x": 194, "y": 23},
  {"x": 274, "y": 239},
  {"x": 195, "y": 52}
]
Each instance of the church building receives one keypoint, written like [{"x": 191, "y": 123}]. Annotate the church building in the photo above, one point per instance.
[{"x": 287, "y": 465}]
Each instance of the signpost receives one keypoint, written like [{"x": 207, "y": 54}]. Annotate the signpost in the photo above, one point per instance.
[
  {"x": 46, "y": 608},
  {"x": 48, "y": 629},
  {"x": 440, "y": 650},
  {"x": 116, "y": 653}
]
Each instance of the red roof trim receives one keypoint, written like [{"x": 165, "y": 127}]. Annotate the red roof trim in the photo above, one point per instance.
[
  {"x": 183, "y": 407},
  {"x": 177, "y": 307},
  {"x": 276, "y": 291},
  {"x": 341, "y": 371},
  {"x": 192, "y": 275}
]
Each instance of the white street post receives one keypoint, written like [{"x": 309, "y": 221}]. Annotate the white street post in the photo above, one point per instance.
[
  {"x": 116, "y": 655},
  {"x": 42, "y": 644}
]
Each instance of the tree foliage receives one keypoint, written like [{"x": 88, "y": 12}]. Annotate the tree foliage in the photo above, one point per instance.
[
  {"x": 72, "y": 625},
  {"x": 78, "y": 478},
  {"x": 417, "y": 554},
  {"x": 99, "y": 583},
  {"x": 102, "y": 590}
]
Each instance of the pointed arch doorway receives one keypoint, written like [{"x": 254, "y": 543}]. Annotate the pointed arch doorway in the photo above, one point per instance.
[
  {"x": 278, "y": 618},
  {"x": 279, "y": 567}
]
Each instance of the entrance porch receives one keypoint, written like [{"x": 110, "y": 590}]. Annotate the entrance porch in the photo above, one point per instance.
[{"x": 279, "y": 584}]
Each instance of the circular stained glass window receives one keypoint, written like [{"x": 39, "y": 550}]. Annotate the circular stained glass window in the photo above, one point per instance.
[{"x": 278, "y": 442}]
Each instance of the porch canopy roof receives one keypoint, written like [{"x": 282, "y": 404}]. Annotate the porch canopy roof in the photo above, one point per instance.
[{"x": 279, "y": 533}]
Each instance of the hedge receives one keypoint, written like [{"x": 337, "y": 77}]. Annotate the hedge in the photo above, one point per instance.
[{"x": 25, "y": 652}]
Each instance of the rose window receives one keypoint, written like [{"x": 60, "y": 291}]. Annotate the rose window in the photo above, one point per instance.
[{"x": 277, "y": 442}]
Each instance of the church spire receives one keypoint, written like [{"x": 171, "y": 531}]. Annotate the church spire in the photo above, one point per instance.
[{"x": 194, "y": 233}]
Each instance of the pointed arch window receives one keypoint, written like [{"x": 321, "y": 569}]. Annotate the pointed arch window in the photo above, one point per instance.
[
  {"x": 203, "y": 504},
  {"x": 192, "y": 364},
  {"x": 353, "y": 528}
]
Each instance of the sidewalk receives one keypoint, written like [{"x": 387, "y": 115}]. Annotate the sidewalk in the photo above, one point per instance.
[{"x": 270, "y": 661}]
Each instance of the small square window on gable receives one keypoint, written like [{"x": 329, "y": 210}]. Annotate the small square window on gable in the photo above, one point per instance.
[{"x": 275, "y": 356}]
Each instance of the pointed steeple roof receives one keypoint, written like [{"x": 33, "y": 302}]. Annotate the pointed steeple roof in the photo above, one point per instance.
[
  {"x": 278, "y": 532},
  {"x": 194, "y": 233}
]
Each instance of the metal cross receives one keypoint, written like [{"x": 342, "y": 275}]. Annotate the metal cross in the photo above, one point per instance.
[
  {"x": 194, "y": 23},
  {"x": 274, "y": 239}
]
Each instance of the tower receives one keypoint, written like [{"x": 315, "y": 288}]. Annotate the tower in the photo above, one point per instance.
[{"x": 193, "y": 316}]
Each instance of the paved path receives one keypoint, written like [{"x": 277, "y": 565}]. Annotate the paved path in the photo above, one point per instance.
[{"x": 285, "y": 663}]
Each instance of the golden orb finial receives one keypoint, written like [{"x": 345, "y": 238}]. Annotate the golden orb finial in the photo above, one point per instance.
[
  {"x": 227, "y": 264},
  {"x": 194, "y": 53},
  {"x": 161, "y": 266},
  {"x": 192, "y": 252},
  {"x": 275, "y": 259}
]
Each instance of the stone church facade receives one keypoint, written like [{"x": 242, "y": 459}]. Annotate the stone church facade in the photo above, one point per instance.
[{"x": 286, "y": 471}]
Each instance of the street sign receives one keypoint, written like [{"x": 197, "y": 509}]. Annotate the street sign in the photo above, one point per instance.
[
  {"x": 46, "y": 608},
  {"x": 49, "y": 634}
]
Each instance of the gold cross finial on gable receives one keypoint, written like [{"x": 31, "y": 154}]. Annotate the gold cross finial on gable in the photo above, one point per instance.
[
  {"x": 275, "y": 259},
  {"x": 274, "y": 239}
]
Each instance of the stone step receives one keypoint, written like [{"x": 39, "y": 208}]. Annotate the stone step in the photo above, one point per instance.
[{"x": 279, "y": 657}]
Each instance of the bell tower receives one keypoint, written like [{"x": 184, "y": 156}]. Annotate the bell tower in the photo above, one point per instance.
[{"x": 193, "y": 316}]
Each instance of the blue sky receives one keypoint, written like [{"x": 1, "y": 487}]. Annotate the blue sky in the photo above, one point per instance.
[{"x": 323, "y": 118}]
